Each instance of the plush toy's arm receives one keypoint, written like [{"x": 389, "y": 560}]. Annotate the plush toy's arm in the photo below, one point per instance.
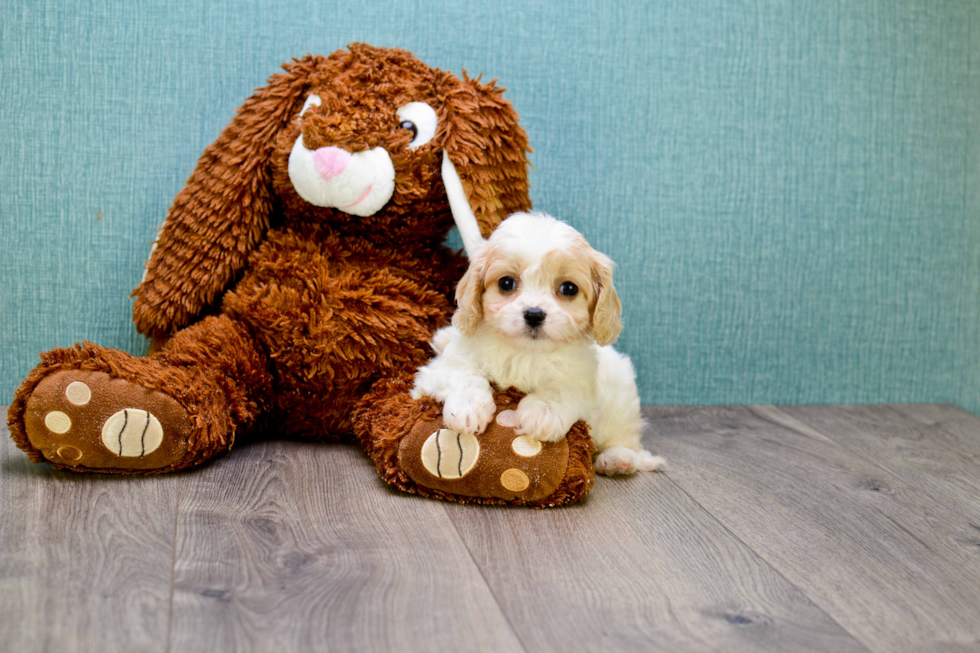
[{"x": 222, "y": 213}]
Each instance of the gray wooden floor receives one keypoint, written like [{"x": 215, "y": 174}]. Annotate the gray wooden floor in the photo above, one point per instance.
[{"x": 780, "y": 529}]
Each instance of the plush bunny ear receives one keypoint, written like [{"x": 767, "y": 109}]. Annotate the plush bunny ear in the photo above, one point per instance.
[
  {"x": 485, "y": 157},
  {"x": 223, "y": 211}
]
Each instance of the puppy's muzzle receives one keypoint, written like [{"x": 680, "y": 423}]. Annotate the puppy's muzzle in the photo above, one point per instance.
[{"x": 534, "y": 317}]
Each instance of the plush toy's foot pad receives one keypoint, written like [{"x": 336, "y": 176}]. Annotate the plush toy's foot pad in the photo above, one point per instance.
[
  {"x": 498, "y": 463},
  {"x": 414, "y": 451},
  {"x": 90, "y": 419}
]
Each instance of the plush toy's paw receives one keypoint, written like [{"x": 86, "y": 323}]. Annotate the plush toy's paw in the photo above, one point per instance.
[
  {"x": 539, "y": 420},
  {"x": 89, "y": 419},
  {"x": 469, "y": 412},
  {"x": 499, "y": 464},
  {"x": 415, "y": 450},
  {"x": 620, "y": 460}
]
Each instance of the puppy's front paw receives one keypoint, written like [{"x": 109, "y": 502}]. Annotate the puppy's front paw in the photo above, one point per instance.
[
  {"x": 538, "y": 419},
  {"x": 620, "y": 460},
  {"x": 468, "y": 412}
]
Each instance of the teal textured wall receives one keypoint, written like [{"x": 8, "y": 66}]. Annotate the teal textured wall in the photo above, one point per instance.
[{"x": 791, "y": 189}]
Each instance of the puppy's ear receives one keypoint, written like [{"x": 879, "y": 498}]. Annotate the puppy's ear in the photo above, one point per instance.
[
  {"x": 223, "y": 211},
  {"x": 485, "y": 156},
  {"x": 469, "y": 295},
  {"x": 606, "y": 322}
]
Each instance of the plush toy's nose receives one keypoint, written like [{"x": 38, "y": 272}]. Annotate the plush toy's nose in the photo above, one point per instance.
[{"x": 330, "y": 161}]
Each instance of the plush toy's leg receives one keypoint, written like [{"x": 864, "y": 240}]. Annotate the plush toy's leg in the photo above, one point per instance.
[
  {"x": 89, "y": 408},
  {"x": 414, "y": 452}
]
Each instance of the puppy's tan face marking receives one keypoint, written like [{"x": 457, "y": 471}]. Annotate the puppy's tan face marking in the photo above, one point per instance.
[
  {"x": 537, "y": 281},
  {"x": 542, "y": 300}
]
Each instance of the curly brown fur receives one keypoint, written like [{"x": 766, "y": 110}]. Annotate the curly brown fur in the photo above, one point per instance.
[{"x": 333, "y": 320}]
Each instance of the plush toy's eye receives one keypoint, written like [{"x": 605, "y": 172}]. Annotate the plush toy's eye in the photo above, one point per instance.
[
  {"x": 410, "y": 126},
  {"x": 568, "y": 289},
  {"x": 313, "y": 99},
  {"x": 421, "y": 120},
  {"x": 506, "y": 284}
]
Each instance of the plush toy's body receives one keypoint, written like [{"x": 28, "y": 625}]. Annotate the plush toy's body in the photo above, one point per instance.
[{"x": 299, "y": 275}]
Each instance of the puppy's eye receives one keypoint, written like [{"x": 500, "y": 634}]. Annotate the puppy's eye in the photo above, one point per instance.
[
  {"x": 506, "y": 284},
  {"x": 568, "y": 289},
  {"x": 420, "y": 119}
]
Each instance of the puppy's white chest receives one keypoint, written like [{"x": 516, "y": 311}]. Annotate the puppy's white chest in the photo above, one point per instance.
[{"x": 537, "y": 373}]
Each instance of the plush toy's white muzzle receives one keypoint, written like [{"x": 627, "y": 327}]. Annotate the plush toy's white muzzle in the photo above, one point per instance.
[{"x": 358, "y": 183}]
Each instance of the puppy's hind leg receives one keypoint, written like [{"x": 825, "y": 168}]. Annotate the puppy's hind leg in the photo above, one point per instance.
[
  {"x": 618, "y": 425},
  {"x": 620, "y": 460},
  {"x": 617, "y": 434}
]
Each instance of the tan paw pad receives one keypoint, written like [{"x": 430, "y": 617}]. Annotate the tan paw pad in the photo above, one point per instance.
[
  {"x": 132, "y": 432},
  {"x": 78, "y": 393},
  {"x": 507, "y": 418},
  {"x": 526, "y": 447},
  {"x": 515, "y": 480},
  {"x": 57, "y": 422},
  {"x": 69, "y": 453},
  {"x": 448, "y": 454}
]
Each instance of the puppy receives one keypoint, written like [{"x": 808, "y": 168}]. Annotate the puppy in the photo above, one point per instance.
[{"x": 538, "y": 311}]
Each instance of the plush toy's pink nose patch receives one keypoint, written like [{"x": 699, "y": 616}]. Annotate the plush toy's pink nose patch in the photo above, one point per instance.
[{"x": 330, "y": 161}]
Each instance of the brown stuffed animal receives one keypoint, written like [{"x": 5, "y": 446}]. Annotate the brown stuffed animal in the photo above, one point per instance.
[{"x": 297, "y": 280}]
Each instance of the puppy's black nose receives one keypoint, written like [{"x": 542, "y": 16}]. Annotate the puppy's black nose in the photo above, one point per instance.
[{"x": 534, "y": 317}]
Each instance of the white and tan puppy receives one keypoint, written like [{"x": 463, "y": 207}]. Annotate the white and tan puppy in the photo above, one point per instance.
[{"x": 538, "y": 311}]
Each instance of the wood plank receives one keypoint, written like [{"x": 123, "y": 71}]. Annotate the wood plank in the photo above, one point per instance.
[
  {"x": 952, "y": 427},
  {"x": 87, "y": 559},
  {"x": 909, "y": 449},
  {"x": 289, "y": 546},
  {"x": 638, "y": 567},
  {"x": 873, "y": 552}
]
